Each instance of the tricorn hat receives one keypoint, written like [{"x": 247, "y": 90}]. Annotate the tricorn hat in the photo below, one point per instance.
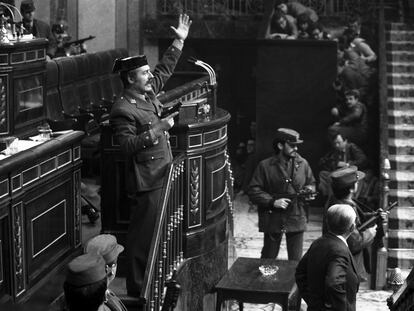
[
  {"x": 346, "y": 177},
  {"x": 129, "y": 63}
]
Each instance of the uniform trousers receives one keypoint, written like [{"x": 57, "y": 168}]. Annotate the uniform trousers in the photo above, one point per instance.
[
  {"x": 271, "y": 245},
  {"x": 140, "y": 232}
]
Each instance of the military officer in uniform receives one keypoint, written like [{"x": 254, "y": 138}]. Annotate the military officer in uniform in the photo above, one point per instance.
[
  {"x": 143, "y": 138},
  {"x": 276, "y": 188},
  {"x": 107, "y": 246}
]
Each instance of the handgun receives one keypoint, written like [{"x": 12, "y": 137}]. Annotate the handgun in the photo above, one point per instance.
[{"x": 170, "y": 110}]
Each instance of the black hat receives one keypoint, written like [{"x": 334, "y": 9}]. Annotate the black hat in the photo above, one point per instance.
[
  {"x": 27, "y": 6},
  {"x": 346, "y": 177},
  {"x": 129, "y": 63},
  {"x": 86, "y": 269},
  {"x": 287, "y": 135}
]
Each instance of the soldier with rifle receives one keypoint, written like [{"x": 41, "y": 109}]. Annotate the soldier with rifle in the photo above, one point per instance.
[
  {"x": 280, "y": 187},
  {"x": 62, "y": 46},
  {"x": 344, "y": 185}
]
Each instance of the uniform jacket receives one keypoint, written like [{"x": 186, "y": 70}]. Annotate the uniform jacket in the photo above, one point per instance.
[
  {"x": 132, "y": 119},
  {"x": 352, "y": 155},
  {"x": 270, "y": 178},
  {"x": 326, "y": 276}
]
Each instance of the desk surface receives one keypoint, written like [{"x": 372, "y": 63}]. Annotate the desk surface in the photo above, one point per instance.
[{"x": 244, "y": 275}]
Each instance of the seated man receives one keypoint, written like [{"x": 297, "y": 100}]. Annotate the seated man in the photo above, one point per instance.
[
  {"x": 85, "y": 283},
  {"x": 31, "y": 25},
  {"x": 352, "y": 118},
  {"x": 107, "y": 246},
  {"x": 295, "y": 8},
  {"x": 353, "y": 72},
  {"x": 343, "y": 153}
]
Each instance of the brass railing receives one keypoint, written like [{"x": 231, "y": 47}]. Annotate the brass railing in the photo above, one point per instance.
[
  {"x": 255, "y": 7},
  {"x": 166, "y": 251}
]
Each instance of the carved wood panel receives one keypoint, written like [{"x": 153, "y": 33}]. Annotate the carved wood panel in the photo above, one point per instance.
[{"x": 195, "y": 186}]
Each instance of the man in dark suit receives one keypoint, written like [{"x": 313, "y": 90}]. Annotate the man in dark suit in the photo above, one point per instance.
[
  {"x": 36, "y": 27},
  {"x": 326, "y": 275},
  {"x": 143, "y": 137}
]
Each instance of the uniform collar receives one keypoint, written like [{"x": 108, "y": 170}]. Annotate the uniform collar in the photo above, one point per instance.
[{"x": 131, "y": 93}]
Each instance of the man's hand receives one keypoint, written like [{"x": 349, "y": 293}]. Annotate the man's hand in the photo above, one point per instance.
[
  {"x": 184, "y": 23},
  {"x": 282, "y": 203},
  {"x": 166, "y": 123},
  {"x": 372, "y": 230}
]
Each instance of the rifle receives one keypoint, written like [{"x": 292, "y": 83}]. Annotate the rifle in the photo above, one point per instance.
[
  {"x": 373, "y": 219},
  {"x": 304, "y": 194},
  {"x": 170, "y": 110},
  {"x": 79, "y": 41}
]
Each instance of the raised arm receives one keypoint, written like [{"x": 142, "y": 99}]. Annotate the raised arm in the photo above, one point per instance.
[{"x": 165, "y": 68}]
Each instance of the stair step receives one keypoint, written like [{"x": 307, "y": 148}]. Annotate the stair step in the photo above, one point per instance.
[
  {"x": 400, "y": 56},
  {"x": 398, "y": 26},
  {"x": 401, "y": 90},
  {"x": 401, "y": 239},
  {"x": 401, "y": 130},
  {"x": 400, "y": 46},
  {"x": 400, "y": 67},
  {"x": 400, "y": 119},
  {"x": 401, "y": 175},
  {"x": 405, "y": 197},
  {"x": 400, "y": 113},
  {"x": 401, "y": 217},
  {"x": 402, "y": 164},
  {"x": 401, "y": 103},
  {"x": 399, "y": 142},
  {"x": 400, "y": 257},
  {"x": 400, "y": 78},
  {"x": 400, "y": 35}
]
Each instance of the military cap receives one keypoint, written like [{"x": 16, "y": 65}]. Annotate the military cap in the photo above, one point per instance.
[
  {"x": 288, "y": 135},
  {"x": 106, "y": 246},
  {"x": 129, "y": 63},
  {"x": 86, "y": 269},
  {"x": 27, "y": 6},
  {"x": 346, "y": 177}
]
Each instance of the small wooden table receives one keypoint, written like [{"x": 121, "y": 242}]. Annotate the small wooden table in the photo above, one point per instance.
[{"x": 245, "y": 283}]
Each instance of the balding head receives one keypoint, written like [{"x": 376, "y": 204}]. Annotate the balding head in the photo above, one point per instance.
[{"x": 340, "y": 218}]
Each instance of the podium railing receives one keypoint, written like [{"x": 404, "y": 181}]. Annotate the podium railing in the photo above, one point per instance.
[{"x": 166, "y": 251}]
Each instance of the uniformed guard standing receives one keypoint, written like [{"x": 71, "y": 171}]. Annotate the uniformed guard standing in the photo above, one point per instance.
[
  {"x": 143, "y": 137},
  {"x": 276, "y": 187}
]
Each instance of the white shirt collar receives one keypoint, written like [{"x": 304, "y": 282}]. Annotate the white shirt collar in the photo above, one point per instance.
[{"x": 343, "y": 239}]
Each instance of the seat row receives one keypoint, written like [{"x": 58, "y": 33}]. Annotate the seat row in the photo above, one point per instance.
[{"x": 79, "y": 92}]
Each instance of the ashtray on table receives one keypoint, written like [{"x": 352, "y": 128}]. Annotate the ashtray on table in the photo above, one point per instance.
[{"x": 268, "y": 270}]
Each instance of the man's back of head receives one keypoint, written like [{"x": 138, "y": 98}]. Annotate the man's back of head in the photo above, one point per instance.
[{"x": 341, "y": 219}]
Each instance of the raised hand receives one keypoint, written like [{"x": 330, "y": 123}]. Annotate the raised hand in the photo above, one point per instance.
[{"x": 184, "y": 23}]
